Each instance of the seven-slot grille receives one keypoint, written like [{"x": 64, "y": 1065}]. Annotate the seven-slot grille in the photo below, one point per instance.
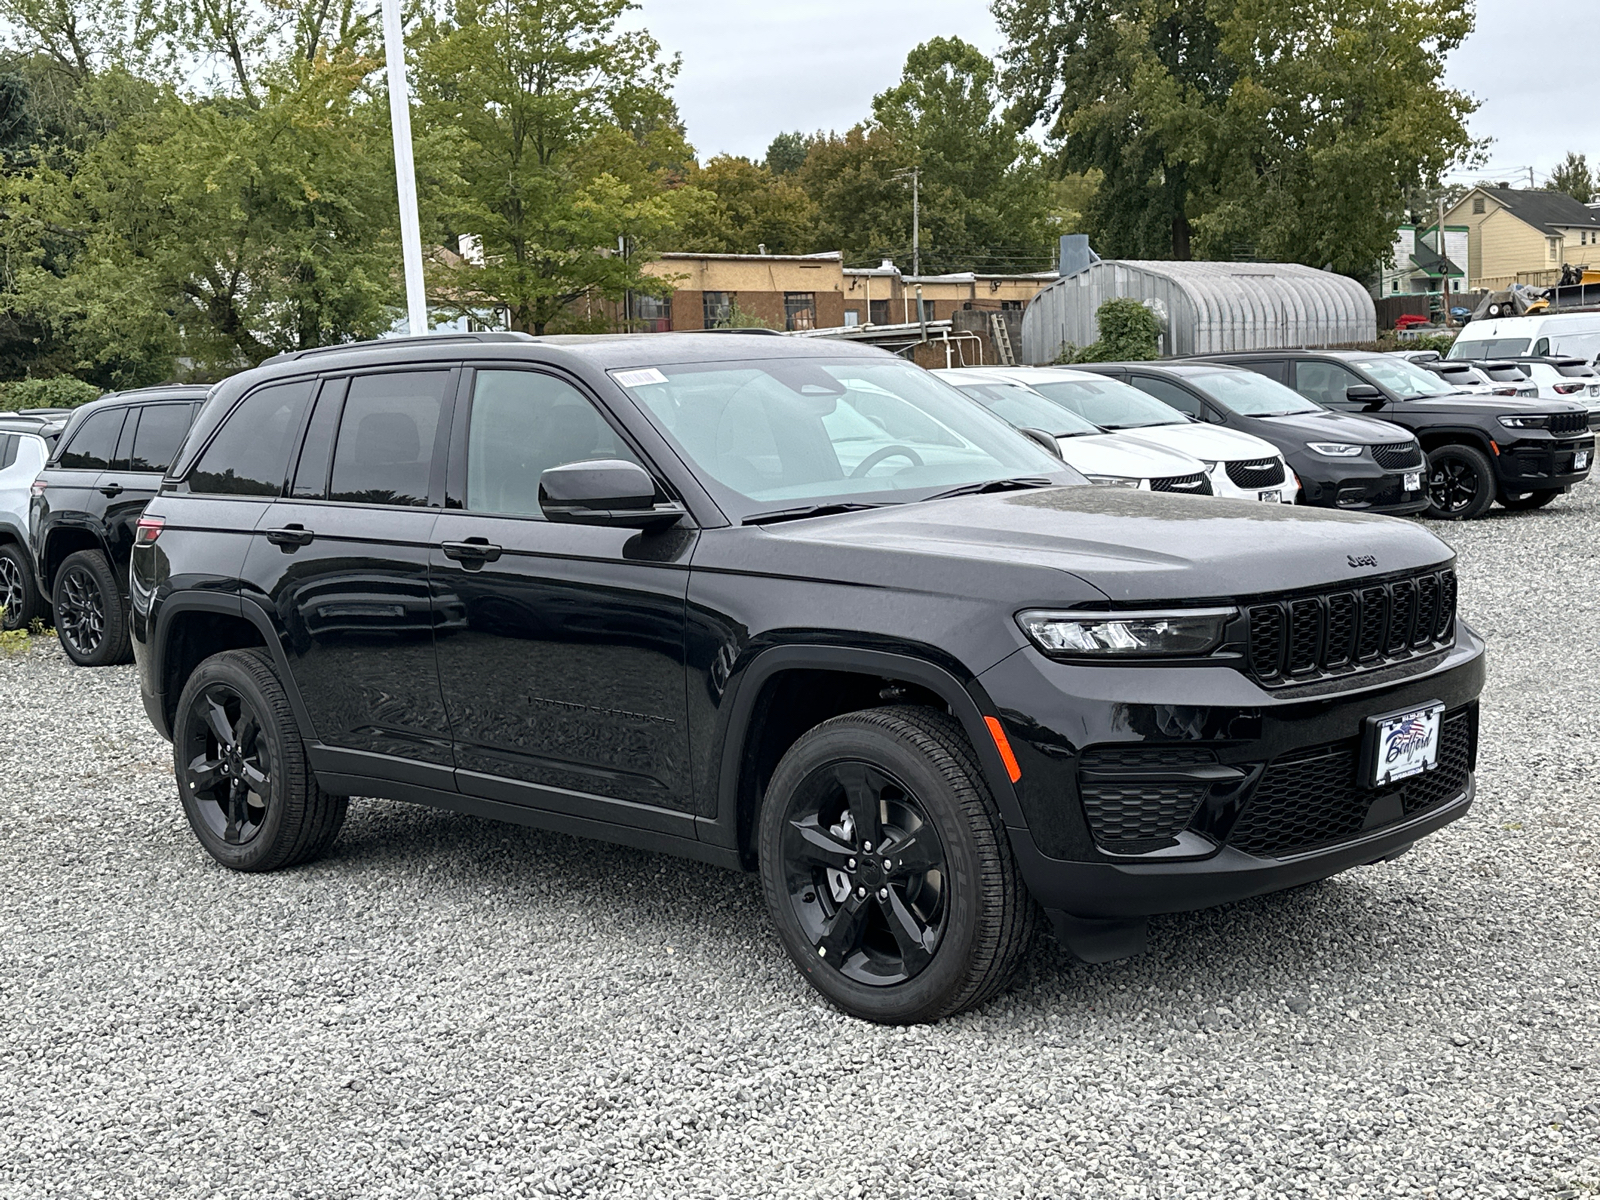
[
  {"x": 1569, "y": 424},
  {"x": 1397, "y": 456},
  {"x": 1313, "y": 797},
  {"x": 1296, "y": 639},
  {"x": 1265, "y": 472},
  {"x": 1193, "y": 485}
]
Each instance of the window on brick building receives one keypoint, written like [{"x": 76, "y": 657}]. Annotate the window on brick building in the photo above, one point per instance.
[
  {"x": 799, "y": 310},
  {"x": 717, "y": 308}
]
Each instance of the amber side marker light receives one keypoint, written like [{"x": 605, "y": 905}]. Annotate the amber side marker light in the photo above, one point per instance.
[{"x": 1002, "y": 744}]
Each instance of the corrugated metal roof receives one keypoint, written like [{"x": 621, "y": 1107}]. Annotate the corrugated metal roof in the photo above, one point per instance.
[{"x": 1206, "y": 307}]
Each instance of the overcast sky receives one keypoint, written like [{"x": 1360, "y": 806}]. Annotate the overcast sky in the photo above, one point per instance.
[{"x": 752, "y": 70}]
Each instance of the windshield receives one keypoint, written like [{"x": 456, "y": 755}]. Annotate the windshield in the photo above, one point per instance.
[
  {"x": 1108, "y": 404},
  {"x": 1026, "y": 409},
  {"x": 1253, "y": 395},
  {"x": 768, "y": 433},
  {"x": 1403, "y": 379},
  {"x": 1489, "y": 348}
]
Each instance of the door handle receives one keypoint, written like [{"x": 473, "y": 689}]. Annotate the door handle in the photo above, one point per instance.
[
  {"x": 290, "y": 535},
  {"x": 112, "y": 489},
  {"x": 473, "y": 552}
]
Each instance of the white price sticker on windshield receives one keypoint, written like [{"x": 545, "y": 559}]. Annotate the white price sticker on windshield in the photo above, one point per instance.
[{"x": 638, "y": 378}]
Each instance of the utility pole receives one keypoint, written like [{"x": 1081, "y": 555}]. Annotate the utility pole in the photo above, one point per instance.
[
  {"x": 916, "y": 215},
  {"x": 405, "y": 172}
]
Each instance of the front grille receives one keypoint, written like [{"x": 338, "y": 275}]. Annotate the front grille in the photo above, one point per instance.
[
  {"x": 1569, "y": 424},
  {"x": 1397, "y": 455},
  {"x": 1296, "y": 639},
  {"x": 1193, "y": 485},
  {"x": 1266, "y": 472},
  {"x": 1313, "y": 797}
]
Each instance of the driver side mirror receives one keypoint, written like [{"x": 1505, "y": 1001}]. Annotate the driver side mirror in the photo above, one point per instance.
[
  {"x": 1365, "y": 395},
  {"x": 604, "y": 491},
  {"x": 1044, "y": 439}
]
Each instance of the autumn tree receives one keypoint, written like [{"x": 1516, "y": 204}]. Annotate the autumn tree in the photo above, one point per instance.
[{"x": 745, "y": 208}]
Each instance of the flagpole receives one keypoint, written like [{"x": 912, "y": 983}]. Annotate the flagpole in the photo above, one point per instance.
[{"x": 394, "y": 49}]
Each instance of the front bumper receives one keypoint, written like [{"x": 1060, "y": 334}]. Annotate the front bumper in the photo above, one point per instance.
[
  {"x": 1361, "y": 485},
  {"x": 1222, "y": 485},
  {"x": 1231, "y": 735},
  {"x": 1533, "y": 464}
]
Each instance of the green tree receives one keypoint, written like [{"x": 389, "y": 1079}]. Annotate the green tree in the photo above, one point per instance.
[
  {"x": 564, "y": 146},
  {"x": 1297, "y": 127},
  {"x": 1574, "y": 178},
  {"x": 746, "y": 208},
  {"x": 786, "y": 154}
]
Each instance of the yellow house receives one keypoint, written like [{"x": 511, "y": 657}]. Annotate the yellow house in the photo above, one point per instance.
[{"x": 1520, "y": 235}]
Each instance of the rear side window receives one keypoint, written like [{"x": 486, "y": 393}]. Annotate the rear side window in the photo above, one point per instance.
[
  {"x": 1167, "y": 393},
  {"x": 250, "y": 454},
  {"x": 385, "y": 450},
  {"x": 8, "y": 449},
  {"x": 94, "y": 442},
  {"x": 524, "y": 423},
  {"x": 160, "y": 433}
]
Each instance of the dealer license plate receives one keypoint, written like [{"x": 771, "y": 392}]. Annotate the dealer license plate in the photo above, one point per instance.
[
  {"x": 1405, "y": 744},
  {"x": 1580, "y": 460},
  {"x": 1270, "y": 497},
  {"x": 1413, "y": 481}
]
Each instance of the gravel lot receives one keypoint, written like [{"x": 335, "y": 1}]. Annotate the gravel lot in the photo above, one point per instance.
[{"x": 451, "y": 1007}]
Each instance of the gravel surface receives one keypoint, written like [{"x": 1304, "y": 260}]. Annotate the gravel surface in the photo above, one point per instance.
[{"x": 451, "y": 1007}]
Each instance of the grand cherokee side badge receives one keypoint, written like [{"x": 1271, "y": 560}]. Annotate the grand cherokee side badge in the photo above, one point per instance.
[{"x": 1362, "y": 560}]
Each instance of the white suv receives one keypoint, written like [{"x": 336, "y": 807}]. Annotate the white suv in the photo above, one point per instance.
[{"x": 22, "y": 455}]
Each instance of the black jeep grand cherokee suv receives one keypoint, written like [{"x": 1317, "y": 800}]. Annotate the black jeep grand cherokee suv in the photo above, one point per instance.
[
  {"x": 1480, "y": 448},
  {"x": 794, "y": 607}
]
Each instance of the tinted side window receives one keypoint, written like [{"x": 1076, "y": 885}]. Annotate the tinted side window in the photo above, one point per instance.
[
  {"x": 1275, "y": 368},
  {"x": 1167, "y": 393},
  {"x": 8, "y": 450},
  {"x": 95, "y": 442},
  {"x": 311, "y": 475},
  {"x": 522, "y": 424},
  {"x": 160, "y": 433},
  {"x": 385, "y": 450},
  {"x": 250, "y": 454},
  {"x": 1325, "y": 382}
]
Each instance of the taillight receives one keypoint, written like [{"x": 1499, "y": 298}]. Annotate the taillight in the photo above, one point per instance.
[
  {"x": 148, "y": 530},
  {"x": 1510, "y": 391},
  {"x": 1566, "y": 389},
  {"x": 36, "y": 488}
]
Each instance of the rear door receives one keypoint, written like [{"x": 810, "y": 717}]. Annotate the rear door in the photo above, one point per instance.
[
  {"x": 151, "y": 435},
  {"x": 341, "y": 563},
  {"x": 562, "y": 659},
  {"x": 72, "y": 500}
]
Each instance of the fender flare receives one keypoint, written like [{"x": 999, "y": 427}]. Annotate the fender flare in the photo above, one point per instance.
[
  {"x": 1460, "y": 435},
  {"x": 232, "y": 606},
  {"x": 968, "y": 703},
  {"x": 94, "y": 529}
]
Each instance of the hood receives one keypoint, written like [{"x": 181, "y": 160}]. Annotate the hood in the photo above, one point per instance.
[
  {"x": 1129, "y": 545},
  {"x": 1330, "y": 426},
  {"x": 1116, "y": 454},
  {"x": 1462, "y": 404},
  {"x": 1211, "y": 443}
]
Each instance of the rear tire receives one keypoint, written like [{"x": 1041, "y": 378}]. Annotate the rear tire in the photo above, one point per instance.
[
  {"x": 246, "y": 786},
  {"x": 91, "y": 619},
  {"x": 1460, "y": 483},
  {"x": 1529, "y": 500},
  {"x": 19, "y": 591},
  {"x": 887, "y": 868}
]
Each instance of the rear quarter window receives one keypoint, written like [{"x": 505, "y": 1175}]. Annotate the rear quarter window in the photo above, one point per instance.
[
  {"x": 94, "y": 442},
  {"x": 249, "y": 456}
]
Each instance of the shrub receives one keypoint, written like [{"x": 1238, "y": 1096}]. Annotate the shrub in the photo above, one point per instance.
[
  {"x": 62, "y": 391},
  {"x": 1129, "y": 332}
]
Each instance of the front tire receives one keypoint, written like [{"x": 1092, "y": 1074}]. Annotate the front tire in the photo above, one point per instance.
[
  {"x": 887, "y": 868},
  {"x": 1529, "y": 500},
  {"x": 19, "y": 594},
  {"x": 246, "y": 786},
  {"x": 1460, "y": 483},
  {"x": 91, "y": 620}
]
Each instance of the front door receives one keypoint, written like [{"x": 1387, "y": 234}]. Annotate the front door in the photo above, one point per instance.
[
  {"x": 564, "y": 680},
  {"x": 1327, "y": 383},
  {"x": 341, "y": 562}
]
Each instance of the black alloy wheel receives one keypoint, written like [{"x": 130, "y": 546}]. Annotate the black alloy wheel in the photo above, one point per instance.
[
  {"x": 1529, "y": 500},
  {"x": 90, "y": 616},
  {"x": 229, "y": 768},
  {"x": 865, "y": 872},
  {"x": 19, "y": 598},
  {"x": 250, "y": 796},
  {"x": 888, "y": 870},
  {"x": 1460, "y": 483}
]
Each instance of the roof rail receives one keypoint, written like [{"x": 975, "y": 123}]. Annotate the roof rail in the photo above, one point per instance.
[{"x": 488, "y": 335}]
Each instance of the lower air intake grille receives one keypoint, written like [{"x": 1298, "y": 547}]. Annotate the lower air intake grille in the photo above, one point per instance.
[
  {"x": 1129, "y": 813},
  {"x": 1312, "y": 798}
]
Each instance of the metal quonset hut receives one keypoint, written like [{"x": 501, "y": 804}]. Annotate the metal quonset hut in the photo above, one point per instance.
[{"x": 1206, "y": 307}]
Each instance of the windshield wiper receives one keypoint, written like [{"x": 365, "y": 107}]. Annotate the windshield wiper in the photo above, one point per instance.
[
  {"x": 994, "y": 485},
  {"x": 809, "y": 510}
]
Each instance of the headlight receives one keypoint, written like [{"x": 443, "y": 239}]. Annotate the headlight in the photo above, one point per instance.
[
  {"x": 1113, "y": 481},
  {"x": 1335, "y": 449},
  {"x": 1525, "y": 422},
  {"x": 1187, "y": 632}
]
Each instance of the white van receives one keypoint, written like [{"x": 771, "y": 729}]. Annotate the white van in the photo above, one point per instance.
[{"x": 1566, "y": 335}]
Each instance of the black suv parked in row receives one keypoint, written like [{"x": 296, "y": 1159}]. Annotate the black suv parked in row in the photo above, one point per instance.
[
  {"x": 106, "y": 466},
  {"x": 1480, "y": 448},
  {"x": 1341, "y": 460},
  {"x": 797, "y": 607}
]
